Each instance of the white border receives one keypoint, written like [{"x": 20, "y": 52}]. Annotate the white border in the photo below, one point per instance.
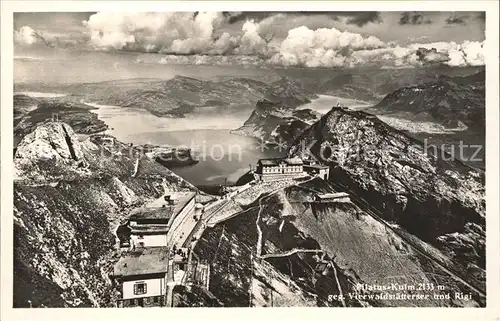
[{"x": 491, "y": 312}]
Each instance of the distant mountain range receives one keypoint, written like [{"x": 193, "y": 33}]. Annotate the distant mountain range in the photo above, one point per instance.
[
  {"x": 371, "y": 85},
  {"x": 450, "y": 101},
  {"x": 182, "y": 95}
]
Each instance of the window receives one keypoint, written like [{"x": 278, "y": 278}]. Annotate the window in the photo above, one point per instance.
[{"x": 140, "y": 288}]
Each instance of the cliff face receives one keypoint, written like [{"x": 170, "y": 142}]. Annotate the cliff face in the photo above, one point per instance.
[
  {"x": 318, "y": 254},
  {"x": 69, "y": 197},
  {"x": 428, "y": 193},
  {"x": 275, "y": 122}
]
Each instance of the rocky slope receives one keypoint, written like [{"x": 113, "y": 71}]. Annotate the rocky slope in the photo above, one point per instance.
[
  {"x": 69, "y": 197},
  {"x": 318, "y": 254},
  {"x": 434, "y": 197},
  {"x": 276, "y": 123}
]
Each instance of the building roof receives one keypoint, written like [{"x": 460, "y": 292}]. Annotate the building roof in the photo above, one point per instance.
[
  {"x": 148, "y": 260},
  {"x": 332, "y": 195},
  {"x": 161, "y": 210},
  {"x": 152, "y": 213},
  {"x": 148, "y": 229},
  {"x": 316, "y": 166},
  {"x": 293, "y": 161},
  {"x": 277, "y": 161},
  {"x": 269, "y": 161}
]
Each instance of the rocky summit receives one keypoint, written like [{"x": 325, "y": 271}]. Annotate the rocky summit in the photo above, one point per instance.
[{"x": 276, "y": 123}]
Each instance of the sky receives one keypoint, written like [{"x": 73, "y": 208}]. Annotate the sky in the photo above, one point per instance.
[{"x": 273, "y": 39}]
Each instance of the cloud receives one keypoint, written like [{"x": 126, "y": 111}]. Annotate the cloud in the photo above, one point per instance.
[
  {"x": 177, "y": 33},
  {"x": 29, "y": 58},
  {"x": 237, "y": 16},
  {"x": 251, "y": 42},
  {"x": 431, "y": 55},
  {"x": 359, "y": 18},
  {"x": 413, "y": 18},
  {"x": 325, "y": 48},
  {"x": 209, "y": 38},
  {"x": 25, "y": 35},
  {"x": 455, "y": 20},
  {"x": 172, "y": 32},
  {"x": 28, "y": 36},
  {"x": 321, "y": 47},
  {"x": 396, "y": 56},
  {"x": 332, "y": 48},
  {"x": 469, "y": 53},
  {"x": 256, "y": 38}
]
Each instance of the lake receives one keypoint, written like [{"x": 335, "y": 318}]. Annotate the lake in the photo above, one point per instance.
[
  {"x": 222, "y": 155},
  {"x": 324, "y": 103}
]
